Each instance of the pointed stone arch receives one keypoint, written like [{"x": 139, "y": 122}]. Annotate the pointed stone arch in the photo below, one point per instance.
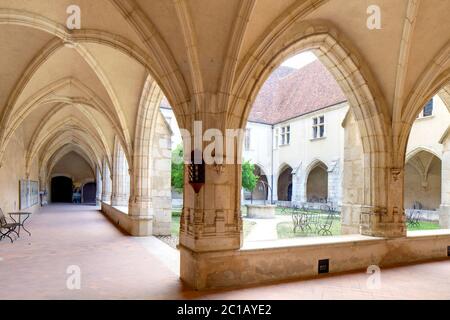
[
  {"x": 284, "y": 183},
  {"x": 317, "y": 190},
  {"x": 16, "y": 116},
  {"x": 433, "y": 80},
  {"x": 366, "y": 101},
  {"x": 93, "y": 128},
  {"x": 423, "y": 180},
  {"x": 45, "y": 138},
  {"x": 157, "y": 59}
]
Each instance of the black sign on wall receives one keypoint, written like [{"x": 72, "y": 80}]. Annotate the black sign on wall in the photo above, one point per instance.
[
  {"x": 448, "y": 251},
  {"x": 324, "y": 266}
]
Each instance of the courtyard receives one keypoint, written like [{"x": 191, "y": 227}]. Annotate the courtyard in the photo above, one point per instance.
[{"x": 280, "y": 227}]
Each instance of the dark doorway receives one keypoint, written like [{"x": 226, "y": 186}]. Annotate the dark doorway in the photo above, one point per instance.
[
  {"x": 89, "y": 192},
  {"x": 61, "y": 190}
]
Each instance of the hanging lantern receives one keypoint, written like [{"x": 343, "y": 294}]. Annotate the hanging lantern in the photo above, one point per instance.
[{"x": 196, "y": 171}]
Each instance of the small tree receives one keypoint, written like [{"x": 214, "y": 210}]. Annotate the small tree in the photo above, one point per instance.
[
  {"x": 249, "y": 179},
  {"x": 178, "y": 169}
]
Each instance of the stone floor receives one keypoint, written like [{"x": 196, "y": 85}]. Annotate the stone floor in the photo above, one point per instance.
[{"x": 115, "y": 266}]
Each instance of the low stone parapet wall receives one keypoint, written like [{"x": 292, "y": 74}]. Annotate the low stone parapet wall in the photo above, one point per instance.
[
  {"x": 135, "y": 226},
  {"x": 299, "y": 259}
]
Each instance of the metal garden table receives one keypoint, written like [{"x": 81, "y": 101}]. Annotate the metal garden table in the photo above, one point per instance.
[{"x": 20, "y": 220}]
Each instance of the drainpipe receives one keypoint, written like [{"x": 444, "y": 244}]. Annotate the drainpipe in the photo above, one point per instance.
[{"x": 271, "y": 164}]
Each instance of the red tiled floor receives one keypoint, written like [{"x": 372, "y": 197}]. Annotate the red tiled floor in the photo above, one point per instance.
[{"x": 115, "y": 266}]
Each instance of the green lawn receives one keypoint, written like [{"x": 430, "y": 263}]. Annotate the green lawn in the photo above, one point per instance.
[
  {"x": 424, "y": 225},
  {"x": 175, "y": 228},
  {"x": 285, "y": 230}
]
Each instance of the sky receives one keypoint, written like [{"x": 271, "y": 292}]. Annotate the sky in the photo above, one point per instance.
[{"x": 300, "y": 60}]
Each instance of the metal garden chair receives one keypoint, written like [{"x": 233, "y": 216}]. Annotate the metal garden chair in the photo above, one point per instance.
[
  {"x": 413, "y": 218},
  {"x": 325, "y": 225},
  {"x": 7, "y": 228}
]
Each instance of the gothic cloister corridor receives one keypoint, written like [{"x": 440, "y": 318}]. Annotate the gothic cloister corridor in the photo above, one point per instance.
[
  {"x": 115, "y": 266},
  {"x": 145, "y": 110}
]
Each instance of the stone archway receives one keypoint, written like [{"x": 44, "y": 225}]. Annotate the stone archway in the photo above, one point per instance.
[
  {"x": 376, "y": 206},
  {"x": 262, "y": 191},
  {"x": 284, "y": 187},
  {"x": 423, "y": 181},
  {"x": 317, "y": 183}
]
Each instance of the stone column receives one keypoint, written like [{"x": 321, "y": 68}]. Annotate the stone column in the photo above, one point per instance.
[
  {"x": 99, "y": 182},
  {"x": 211, "y": 219},
  {"x": 150, "y": 206},
  {"x": 161, "y": 178},
  {"x": 106, "y": 181},
  {"x": 120, "y": 178},
  {"x": 444, "y": 211},
  {"x": 353, "y": 179},
  {"x": 372, "y": 200},
  {"x": 298, "y": 186},
  {"x": 334, "y": 183}
]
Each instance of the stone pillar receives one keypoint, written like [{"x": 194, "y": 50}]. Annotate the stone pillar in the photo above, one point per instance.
[
  {"x": 120, "y": 178},
  {"x": 106, "y": 181},
  {"x": 161, "y": 178},
  {"x": 275, "y": 188},
  {"x": 334, "y": 183},
  {"x": 99, "y": 182},
  {"x": 211, "y": 219},
  {"x": 444, "y": 211},
  {"x": 150, "y": 206},
  {"x": 353, "y": 178},
  {"x": 372, "y": 191},
  {"x": 298, "y": 186}
]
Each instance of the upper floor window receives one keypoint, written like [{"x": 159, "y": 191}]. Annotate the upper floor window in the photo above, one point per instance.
[
  {"x": 428, "y": 109},
  {"x": 247, "y": 141},
  {"x": 318, "y": 127},
  {"x": 285, "y": 135}
]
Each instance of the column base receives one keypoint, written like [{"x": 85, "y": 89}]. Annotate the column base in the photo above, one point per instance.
[
  {"x": 141, "y": 226},
  {"x": 376, "y": 222},
  {"x": 444, "y": 216},
  {"x": 190, "y": 269}
]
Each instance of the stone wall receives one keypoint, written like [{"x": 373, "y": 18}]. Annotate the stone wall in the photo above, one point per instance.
[
  {"x": 300, "y": 261},
  {"x": 75, "y": 166},
  {"x": 444, "y": 211},
  {"x": 335, "y": 183},
  {"x": 12, "y": 171}
]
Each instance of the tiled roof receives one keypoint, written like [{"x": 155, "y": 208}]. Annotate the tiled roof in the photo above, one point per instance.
[{"x": 289, "y": 93}]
